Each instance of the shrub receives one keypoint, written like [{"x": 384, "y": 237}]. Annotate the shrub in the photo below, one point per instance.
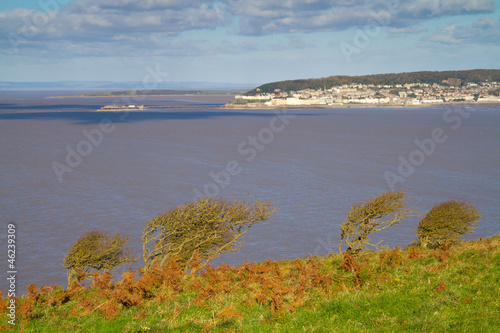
[
  {"x": 378, "y": 213},
  {"x": 96, "y": 250},
  {"x": 202, "y": 229},
  {"x": 447, "y": 222}
]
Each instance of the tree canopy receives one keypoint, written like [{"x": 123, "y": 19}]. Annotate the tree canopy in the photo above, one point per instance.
[
  {"x": 429, "y": 77},
  {"x": 97, "y": 250},
  {"x": 376, "y": 214},
  {"x": 204, "y": 229},
  {"x": 447, "y": 222}
]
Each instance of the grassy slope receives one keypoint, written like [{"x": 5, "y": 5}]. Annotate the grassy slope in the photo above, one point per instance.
[{"x": 455, "y": 290}]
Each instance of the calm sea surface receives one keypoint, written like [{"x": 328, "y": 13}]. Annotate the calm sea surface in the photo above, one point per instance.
[{"x": 313, "y": 163}]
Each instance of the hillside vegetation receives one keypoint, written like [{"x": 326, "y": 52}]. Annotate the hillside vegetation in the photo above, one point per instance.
[
  {"x": 473, "y": 76},
  {"x": 439, "y": 284},
  {"x": 416, "y": 289}
]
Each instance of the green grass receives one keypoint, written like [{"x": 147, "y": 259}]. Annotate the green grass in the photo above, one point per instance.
[{"x": 454, "y": 290}]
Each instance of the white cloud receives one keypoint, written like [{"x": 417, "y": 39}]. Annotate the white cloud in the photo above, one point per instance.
[
  {"x": 484, "y": 31},
  {"x": 103, "y": 19},
  {"x": 433, "y": 8},
  {"x": 15, "y": 14},
  {"x": 87, "y": 27},
  {"x": 405, "y": 30},
  {"x": 95, "y": 6},
  {"x": 293, "y": 42},
  {"x": 258, "y": 17}
]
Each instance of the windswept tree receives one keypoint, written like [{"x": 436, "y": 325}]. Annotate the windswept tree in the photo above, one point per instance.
[
  {"x": 202, "y": 229},
  {"x": 447, "y": 222},
  {"x": 376, "y": 214},
  {"x": 97, "y": 250}
]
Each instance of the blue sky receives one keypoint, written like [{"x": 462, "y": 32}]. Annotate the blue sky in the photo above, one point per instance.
[{"x": 242, "y": 41}]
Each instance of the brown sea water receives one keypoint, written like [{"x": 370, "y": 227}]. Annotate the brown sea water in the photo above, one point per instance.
[{"x": 313, "y": 163}]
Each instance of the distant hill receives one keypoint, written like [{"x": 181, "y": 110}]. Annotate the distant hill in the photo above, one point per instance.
[
  {"x": 474, "y": 75},
  {"x": 159, "y": 92}
]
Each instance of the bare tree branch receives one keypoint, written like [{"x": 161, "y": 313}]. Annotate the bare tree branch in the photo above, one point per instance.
[
  {"x": 367, "y": 216},
  {"x": 208, "y": 227}
]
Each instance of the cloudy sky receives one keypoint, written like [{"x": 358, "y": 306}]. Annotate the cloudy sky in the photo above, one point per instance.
[{"x": 242, "y": 41}]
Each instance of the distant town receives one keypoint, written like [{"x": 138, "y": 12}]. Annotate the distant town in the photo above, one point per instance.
[{"x": 411, "y": 94}]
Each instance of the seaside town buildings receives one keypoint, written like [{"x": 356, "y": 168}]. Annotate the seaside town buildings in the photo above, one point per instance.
[{"x": 450, "y": 91}]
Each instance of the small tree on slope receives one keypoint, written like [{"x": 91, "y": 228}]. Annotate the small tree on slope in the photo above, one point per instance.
[
  {"x": 96, "y": 250},
  {"x": 376, "y": 214},
  {"x": 204, "y": 229},
  {"x": 447, "y": 222}
]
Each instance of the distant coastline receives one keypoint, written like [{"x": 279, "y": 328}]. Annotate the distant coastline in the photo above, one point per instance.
[
  {"x": 403, "y": 90},
  {"x": 416, "y": 89},
  {"x": 354, "y": 106},
  {"x": 152, "y": 93}
]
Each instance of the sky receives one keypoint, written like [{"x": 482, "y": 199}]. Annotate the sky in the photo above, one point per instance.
[{"x": 242, "y": 41}]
